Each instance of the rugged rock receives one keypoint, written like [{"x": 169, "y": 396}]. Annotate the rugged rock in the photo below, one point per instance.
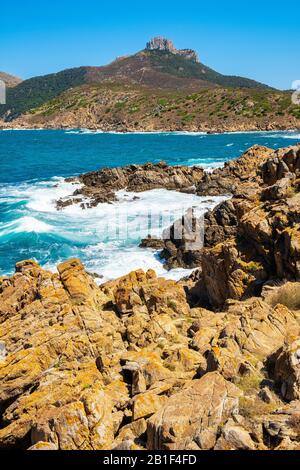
[
  {"x": 130, "y": 365},
  {"x": 234, "y": 437},
  {"x": 283, "y": 427},
  {"x": 248, "y": 239},
  {"x": 101, "y": 186},
  {"x": 236, "y": 174},
  {"x": 287, "y": 370},
  {"x": 139, "y": 363},
  {"x": 190, "y": 419},
  {"x": 162, "y": 44}
]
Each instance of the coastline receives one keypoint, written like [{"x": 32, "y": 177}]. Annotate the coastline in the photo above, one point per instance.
[
  {"x": 121, "y": 365},
  {"x": 145, "y": 132}
]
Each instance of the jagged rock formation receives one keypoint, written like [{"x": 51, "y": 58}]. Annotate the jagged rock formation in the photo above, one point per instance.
[
  {"x": 162, "y": 44},
  {"x": 252, "y": 237},
  {"x": 101, "y": 186},
  {"x": 131, "y": 365}
]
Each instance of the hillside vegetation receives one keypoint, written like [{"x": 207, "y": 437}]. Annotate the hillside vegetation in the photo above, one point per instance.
[{"x": 121, "y": 106}]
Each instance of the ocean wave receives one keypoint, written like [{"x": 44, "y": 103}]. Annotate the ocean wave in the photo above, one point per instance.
[
  {"x": 105, "y": 237},
  {"x": 282, "y": 135},
  {"x": 291, "y": 136},
  {"x": 207, "y": 166},
  {"x": 25, "y": 224},
  {"x": 20, "y": 129},
  {"x": 163, "y": 133}
]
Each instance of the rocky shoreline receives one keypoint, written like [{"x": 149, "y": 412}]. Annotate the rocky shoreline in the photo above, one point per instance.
[
  {"x": 123, "y": 128},
  {"x": 101, "y": 186},
  {"x": 209, "y": 362}
]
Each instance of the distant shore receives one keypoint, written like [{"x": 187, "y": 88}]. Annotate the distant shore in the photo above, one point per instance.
[{"x": 130, "y": 130}]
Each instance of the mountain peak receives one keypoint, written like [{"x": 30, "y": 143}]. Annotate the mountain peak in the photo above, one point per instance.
[{"x": 160, "y": 43}]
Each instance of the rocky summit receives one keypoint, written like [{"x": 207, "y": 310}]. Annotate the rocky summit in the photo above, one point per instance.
[
  {"x": 162, "y": 44},
  {"x": 209, "y": 362}
]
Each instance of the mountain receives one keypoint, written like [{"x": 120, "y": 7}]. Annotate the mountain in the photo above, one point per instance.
[
  {"x": 9, "y": 80},
  {"x": 159, "y": 66}
]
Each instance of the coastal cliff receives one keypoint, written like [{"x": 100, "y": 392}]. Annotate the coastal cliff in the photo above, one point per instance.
[{"x": 209, "y": 362}]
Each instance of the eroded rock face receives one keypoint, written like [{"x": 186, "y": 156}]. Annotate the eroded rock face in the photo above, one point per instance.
[
  {"x": 287, "y": 370},
  {"x": 130, "y": 365},
  {"x": 162, "y": 44},
  {"x": 79, "y": 359},
  {"x": 190, "y": 419},
  {"x": 255, "y": 236},
  {"x": 236, "y": 174}
]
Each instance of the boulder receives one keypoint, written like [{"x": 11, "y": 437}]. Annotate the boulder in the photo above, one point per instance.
[
  {"x": 189, "y": 420},
  {"x": 234, "y": 437},
  {"x": 287, "y": 370},
  {"x": 283, "y": 426}
]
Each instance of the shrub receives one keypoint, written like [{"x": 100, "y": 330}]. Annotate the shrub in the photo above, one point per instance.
[{"x": 288, "y": 295}]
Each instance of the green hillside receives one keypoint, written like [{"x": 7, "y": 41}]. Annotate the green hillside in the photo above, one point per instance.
[
  {"x": 180, "y": 66},
  {"x": 119, "y": 106},
  {"x": 38, "y": 90}
]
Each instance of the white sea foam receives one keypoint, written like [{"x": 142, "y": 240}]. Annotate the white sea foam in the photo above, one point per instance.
[
  {"x": 42, "y": 196},
  {"x": 31, "y": 224},
  {"x": 25, "y": 224},
  {"x": 282, "y": 135},
  {"x": 105, "y": 237},
  {"x": 163, "y": 133},
  {"x": 291, "y": 136},
  {"x": 208, "y": 167}
]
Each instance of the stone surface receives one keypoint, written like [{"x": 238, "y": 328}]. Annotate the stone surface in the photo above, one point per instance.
[
  {"x": 190, "y": 419},
  {"x": 130, "y": 365},
  {"x": 162, "y": 44},
  {"x": 287, "y": 370}
]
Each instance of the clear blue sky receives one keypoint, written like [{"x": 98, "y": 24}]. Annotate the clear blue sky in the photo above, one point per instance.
[{"x": 257, "y": 39}]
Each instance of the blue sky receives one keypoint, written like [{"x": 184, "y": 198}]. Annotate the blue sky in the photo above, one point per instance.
[{"x": 257, "y": 39}]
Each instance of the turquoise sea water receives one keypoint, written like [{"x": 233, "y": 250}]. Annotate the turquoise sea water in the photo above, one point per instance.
[{"x": 34, "y": 163}]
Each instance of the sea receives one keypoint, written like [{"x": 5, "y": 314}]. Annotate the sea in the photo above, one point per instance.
[{"x": 33, "y": 168}]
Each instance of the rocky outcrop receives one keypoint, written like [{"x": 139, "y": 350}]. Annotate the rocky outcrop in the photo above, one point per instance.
[
  {"x": 131, "y": 365},
  {"x": 265, "y": 244},
  {"x": 190, "y": 419},
  {"x": 101, "y": 186},
  {"x": 162, "y": 44},
  {"x": 237, "y": 176},
  {"x": 249, "y": 239},
  {"x": 287, "y": 370},
  {"x": 241, "y": 178}
]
